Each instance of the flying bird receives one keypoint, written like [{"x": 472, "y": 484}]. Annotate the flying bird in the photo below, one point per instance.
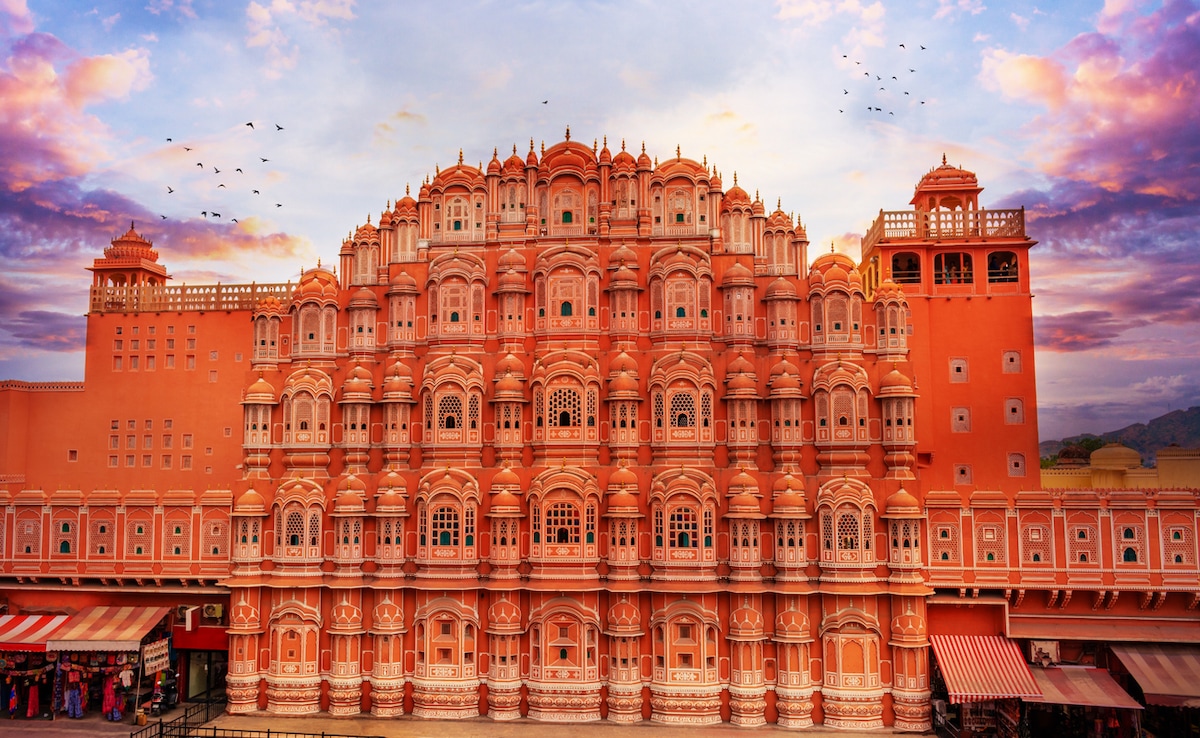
[
  {"x": 216, "y": 171},
  {"x": 544, "y": 102},
  {"x": 163, "y": 217},
  {"x": 906, "y": 92},
  {"x": 922, "y": 48},
  {"x": 278, "y": 204},
  {"x": 278, "y": 127},
  {"x": 912, "y": 70},
  {"x": 845, "y": 56},
  {"x": 239, "y": 170},
  {"x": 845, "y": 92},
  {"x": 169, "y": 190},
  {"x": 216, "y": 215},
  {"x": 251, "y": 124},
  {"x": 858, "y": 62},
  {"x": 902, "y": 46},
  {"x": 221, "y": 185},
  {"x": 841, "y": 111},
  {"x": 893, "y": 78},
  {"x": 256, "y": 192},
  {"x": 204, "y": 213},
  {"x": 233, "y": 220},
  {"x": 878, "y": 77},
  {"x": 168, "y": 139},
  {"x": 200, "y": 165},
  {"x": 882, "y": 89},
  {"x": 187, "y": 148},
  {"x": 890, "y": 113},
  {"x": 264, "y": 159}
]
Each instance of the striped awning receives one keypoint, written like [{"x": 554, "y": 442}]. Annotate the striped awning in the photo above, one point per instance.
[
  {"x": 981, "y": 668},
  {"x": 1081, "y": 685},
  {"x": 28, "y": 632},
  {"x": 107, "y": 629},
  {"x": 1168, "y": 674}
]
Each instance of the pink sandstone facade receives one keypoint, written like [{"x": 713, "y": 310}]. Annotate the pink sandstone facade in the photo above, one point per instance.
[{"x": 586, "y": 436}]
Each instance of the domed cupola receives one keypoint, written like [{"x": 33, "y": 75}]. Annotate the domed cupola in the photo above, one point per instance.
[
  {"x": 504, "y": 616},
  {"x": 746, "y": 622},
  {"x": 623, "y": 618}
]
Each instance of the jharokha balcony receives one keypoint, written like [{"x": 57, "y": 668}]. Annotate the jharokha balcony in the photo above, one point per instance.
[
  {"x": 914, "y": 225},
  {"x": 162, "y": 299}
]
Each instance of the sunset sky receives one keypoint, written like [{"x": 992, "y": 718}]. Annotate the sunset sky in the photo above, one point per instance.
[{"x": 1085, "y": 113}]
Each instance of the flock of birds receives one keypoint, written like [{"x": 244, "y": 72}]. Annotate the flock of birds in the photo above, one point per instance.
[
  {"x": 889, "y": 96},
  {"x": 210, "y": 212}
]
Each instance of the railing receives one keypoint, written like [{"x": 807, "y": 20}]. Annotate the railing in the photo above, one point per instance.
[
  {"x": 17, "y": 384},
  {"x": 162, "y": 299},
  {"x": 186, "y": 732},
  {"x": 194, "y": 715},
  {"x": 915, "y": 225}
]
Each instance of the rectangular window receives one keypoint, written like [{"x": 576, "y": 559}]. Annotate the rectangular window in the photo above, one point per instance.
[
  {"x": 150, "y": 363},
  {"x": 114, "y": 442},
  {"x": 187, "y": 440},
  {"x": 118, "y": 345},
  {"x": 135, "y": 330},
  {"x": 115, "y": 425},
  {"x": 191, "y": 362},
  {"x": 191, "y": 344},
  {"x": 212, "y": 355},
  {"x": 191, "y": 329},
  {"x": 237, "y": 357},
  {"x": 185, "y": 462},
  {"x": 212, "y": 376},
  {"x": 133, "y": 363},
  {"x": 166, "y": 461},
  {"x": 130, "y": 441},
  {"x": 170, "y": 344},
  {"x": 120, "y": 330},
  {"x": 166, "y": 440},
  {"x": 208, "y": 451},
  {"x": 168, "y": 424},
  {"x": 72, "y": 455},
  {"x": 147, "y": 441},
  {"x": 130, "y": 460},
  {"x": 147, "y": 461},
  {"x": 151, "y": 344},
  {"x": 170, "y": 361},
  {"x": 228, "y": 432},
  {"x": 113, "y": 461},
  {"x": 134, "y": 345},
  {"x": 117, "y": 363},
  {"x": 150, "y": 330},
  {"x": 170, "y": 329},
  {"x": 131, "y": 424}
]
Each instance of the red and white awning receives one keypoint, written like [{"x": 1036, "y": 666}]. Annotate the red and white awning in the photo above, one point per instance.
[
  {"x": 1082, "y": 685},
  {"x": 981, "y": 668},
  {"x": 107, "y": 629},
  {"x": 28, "y": 632},
  {"x": 1168, "y": 674}
]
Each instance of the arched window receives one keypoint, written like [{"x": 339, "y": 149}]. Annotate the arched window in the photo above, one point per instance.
[
  {"x": 444, "y": 525},
  {"x": 565, "y": 309},
  {"x": 564, "y": 408},
  {"x": 1130, "y": 555}
]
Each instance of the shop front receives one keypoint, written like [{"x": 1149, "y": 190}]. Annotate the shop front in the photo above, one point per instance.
[
  {"x": 109, "y": 659},
  {"x": 28, "y": 671},
  {"x": 1167, "y": 676},
  {"x": 1081, "y": 702},
  {"x": 982, "y": 680}
]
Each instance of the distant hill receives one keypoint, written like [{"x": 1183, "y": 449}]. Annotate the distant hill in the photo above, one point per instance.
[{"x": 1179, "y": 427}]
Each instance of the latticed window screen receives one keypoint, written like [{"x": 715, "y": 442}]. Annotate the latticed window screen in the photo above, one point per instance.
[
  {"x": 945, "y": 543},
  {"x": 848, "y": 532},
  {"x": 562, "y": 523},
  {"x": 473, "y": 412},
  {"x": 450, "y": 412},
  {"x": 827, "y": 532},
  {"x": 843, "y": 408},
  {"x": 177, "y": 538},
  {"x": 683, "y": 410},
  {"x": 314, "y": 529},
  {"x": 1178, "y": 547},
  {"x": 683, "y": 527},
  {"x": 564, "y": 406},
  {"x": 66, "y": 531},
  {"x": 658, "y": 408},
  {"x": 428, "y": 411},
  {"x": 101, "y": 536},
  {"x": 1084, "y": 544},
  {"x": 137, "y": 538},
  {"x": 681, "y": 298},
  {"x": 706, "y": 409},
  {"x": 444, "y": 525},
  {"x": 293, "y": 530},
  {"x": 1035, "y": 544},
  {"x": 1131, "y": 543},
  {"x": 989, "y": 544}
]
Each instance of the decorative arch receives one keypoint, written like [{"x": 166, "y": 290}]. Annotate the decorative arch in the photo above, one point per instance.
[
  {"x": 846, "y": 511},
  {"x": 682, "y": 388}
]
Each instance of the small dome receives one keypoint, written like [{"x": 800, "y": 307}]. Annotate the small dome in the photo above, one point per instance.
[
  {"x": 250, "y": 501},
  {"x": 623, "y": 383},
  {"x": 744, "y": 504},
  {"x": 737, "y": 275},
  {"x": 788, "y": 483},
  {"x": 1115, "y": 457},
  {"x": 405, "y": 206},
  {"x": 780, "y": 289},
  {"x": 366, "y": 232},
  {"x": 504, "y": 615},
  {"x": 623, "y": 276},
  {"x": 387, "y": 617},
  {"x": 792, "y": 624},
  {"x": 351, "y": 483},
  {"x": 345, "y": 616},
  {"x": 895, "y": 384},
  {"x": 789, "y": 505},
  {"x": 510, "y": 364},
  {"x": 506, "y": 477},
  {"x": 260, "y": 393},
  {"x": 511, "y": 259},
  {"x": 364, "y": 298},
  {"x": 739, "y": 365},
  {"x": 741, "y": 383},
  {"x": 509, "y": 385},
  {"x": 493, "y": 167},
  {"x": 318, "y": 284},
  {"x": 622, "y": 501},
  {"x": 269, "y": 305},
  {"x": 624, "y": 616},
  {"x": 622, "y": 477},
  {"x": 735, "y": 197},
  {"x": 902, "y": 504},
  {"x": 779, "y": 220},
  {"x": 909, "y": 625},
  {"x": 746, "y": 622},
  {"x": 390, "y": 501},
  {"x": 505, "y": 501}
]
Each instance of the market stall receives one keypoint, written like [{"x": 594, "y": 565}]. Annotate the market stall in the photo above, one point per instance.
[
  {"x": 27, "y": 669},
  {"x": 985, "y": 678}
]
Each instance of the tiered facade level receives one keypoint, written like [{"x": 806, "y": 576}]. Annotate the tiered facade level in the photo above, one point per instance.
[{"x": 583, "y": 436}]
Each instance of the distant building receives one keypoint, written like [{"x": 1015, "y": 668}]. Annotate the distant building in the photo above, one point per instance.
[
  {"x": 579, "y": 436},
  {"x": 1119, "y": 467}
]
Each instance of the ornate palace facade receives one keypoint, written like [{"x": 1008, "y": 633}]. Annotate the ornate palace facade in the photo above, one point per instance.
[{"x": 579, "y": 436}]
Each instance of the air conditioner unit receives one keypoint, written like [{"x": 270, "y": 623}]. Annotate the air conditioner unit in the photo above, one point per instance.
[
  {"x": 1043, "y": 652},
  {"x": 181, "y": 612},
  {"x": 213, "y": 610}
]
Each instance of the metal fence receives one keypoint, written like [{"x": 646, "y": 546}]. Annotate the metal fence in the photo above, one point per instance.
[
  {"x": 201, "y": 732},
  {"x": 194, "y": 715}
]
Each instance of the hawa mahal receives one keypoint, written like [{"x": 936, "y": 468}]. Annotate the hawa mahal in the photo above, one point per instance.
[{"x": 584, "y": 435}]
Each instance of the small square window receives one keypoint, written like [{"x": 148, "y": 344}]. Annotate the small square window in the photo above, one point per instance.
[{"x": 72, "y": 455}]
